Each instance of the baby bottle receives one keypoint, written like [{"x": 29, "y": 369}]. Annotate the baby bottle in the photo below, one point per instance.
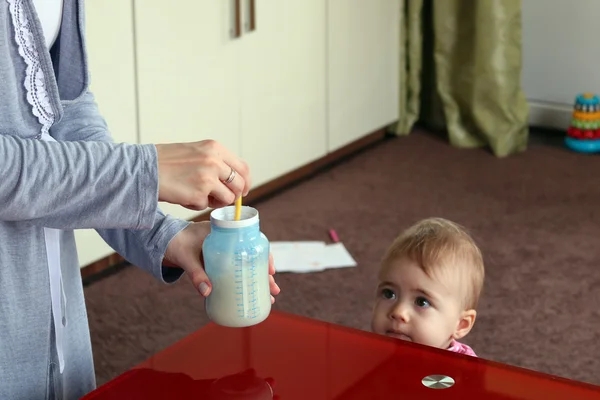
[{"x": 236, "y": 260}]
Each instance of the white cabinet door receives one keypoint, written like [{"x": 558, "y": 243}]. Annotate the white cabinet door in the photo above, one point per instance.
[
  {"x": 187, "y": 67},
  {"x": 111, "y": 63},
  {"x": 283, "y": 87},
  {"x": 560, "y": 57},
  {"x": 363, "y": 49}
]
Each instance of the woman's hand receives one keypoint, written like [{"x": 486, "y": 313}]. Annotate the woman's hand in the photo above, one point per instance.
[
  {"x": 202, "y": 174},
  {"x": 185, "y": 251}
]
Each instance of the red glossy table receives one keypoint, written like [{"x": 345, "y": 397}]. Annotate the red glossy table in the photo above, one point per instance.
[{"x": 308, "y": 359}]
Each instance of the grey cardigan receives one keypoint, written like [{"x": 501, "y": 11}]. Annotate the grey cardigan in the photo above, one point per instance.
[{"x": 84, "y": 180}]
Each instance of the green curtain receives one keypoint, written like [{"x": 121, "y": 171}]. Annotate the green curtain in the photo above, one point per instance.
[{"x": 461, "y": 71}]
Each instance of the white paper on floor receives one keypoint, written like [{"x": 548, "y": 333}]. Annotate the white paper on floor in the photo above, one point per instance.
[{"x": 310, "y": 256}]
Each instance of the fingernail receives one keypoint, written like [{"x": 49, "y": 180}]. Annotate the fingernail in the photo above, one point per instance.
[{"x": 204, "y": 289}]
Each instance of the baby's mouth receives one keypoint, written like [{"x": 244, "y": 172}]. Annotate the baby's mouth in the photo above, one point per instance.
[{"x": 398, "y": 335}]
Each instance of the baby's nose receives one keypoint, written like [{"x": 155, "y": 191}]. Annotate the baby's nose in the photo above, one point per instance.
[{"x": 401, "y": 313}]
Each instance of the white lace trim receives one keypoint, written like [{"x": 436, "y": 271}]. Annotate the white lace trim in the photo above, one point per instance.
[
  {"x": 39, "y": 99},
  {"x": 35, "y": 81}
]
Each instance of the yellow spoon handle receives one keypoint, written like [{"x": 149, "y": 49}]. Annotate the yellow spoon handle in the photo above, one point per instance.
[{"x": 238, "y": 208}]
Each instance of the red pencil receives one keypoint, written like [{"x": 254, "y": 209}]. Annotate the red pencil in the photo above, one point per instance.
[{"x": 334, "y": 236}]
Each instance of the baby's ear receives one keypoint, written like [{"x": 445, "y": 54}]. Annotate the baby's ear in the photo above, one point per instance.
[{"x": 465, "y": 324}]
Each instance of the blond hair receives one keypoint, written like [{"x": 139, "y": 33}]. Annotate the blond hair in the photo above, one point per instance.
[{"x": 437, "y": 244}]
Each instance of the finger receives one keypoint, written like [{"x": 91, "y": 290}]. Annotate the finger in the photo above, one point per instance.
[
  {"x": 214, "y": 203},
  {"x": 274, "y": 287},
  {"x": 198, "y": 277},
  {"x": 194, "y": 208},
  {"x": 271, "y": 264},
  {"x": 222, "y": 194},
  {"x": 197, "y": 204},
  {"x": 240, "y": 167},
  {"x": 272, "y": 299},
  {"x": 237, "y": 183}
]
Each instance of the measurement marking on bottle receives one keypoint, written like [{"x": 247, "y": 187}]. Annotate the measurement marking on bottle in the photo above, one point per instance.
[{"x": 246, "y": 285}]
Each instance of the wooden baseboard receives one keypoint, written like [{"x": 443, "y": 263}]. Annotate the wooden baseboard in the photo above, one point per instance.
[{"x": 115, "y": 262}]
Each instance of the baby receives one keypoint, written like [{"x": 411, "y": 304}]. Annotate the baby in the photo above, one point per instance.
[{"x": 430, "y": 281}]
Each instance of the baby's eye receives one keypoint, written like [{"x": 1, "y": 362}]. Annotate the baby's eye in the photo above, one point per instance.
[
  {"x": 388, "y": 294},
  {"x": 422, "y": 302}
]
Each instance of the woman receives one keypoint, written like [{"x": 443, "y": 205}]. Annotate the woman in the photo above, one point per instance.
[{"x": 61, "y": 171}]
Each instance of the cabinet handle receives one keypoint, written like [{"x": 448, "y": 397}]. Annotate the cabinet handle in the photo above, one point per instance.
[
  {"x": 236, "y": 32},
  {"x": 251, "y": 25},
  {"x": 252, "y": 15}
]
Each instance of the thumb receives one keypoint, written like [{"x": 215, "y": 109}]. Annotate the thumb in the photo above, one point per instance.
[{"x": 197, "y": 275}]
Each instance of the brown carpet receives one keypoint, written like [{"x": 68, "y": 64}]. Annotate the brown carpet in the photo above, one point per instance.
[{"x": 535, "y": 215}]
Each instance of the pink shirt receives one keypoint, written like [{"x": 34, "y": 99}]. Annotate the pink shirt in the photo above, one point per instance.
[{"x": 461, "y": 348}]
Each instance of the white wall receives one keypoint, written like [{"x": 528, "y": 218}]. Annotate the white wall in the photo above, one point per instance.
[{"x": 561, "y": 57}]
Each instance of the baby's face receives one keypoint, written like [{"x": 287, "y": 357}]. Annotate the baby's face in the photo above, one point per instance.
[{"x": 412, "y": 306}]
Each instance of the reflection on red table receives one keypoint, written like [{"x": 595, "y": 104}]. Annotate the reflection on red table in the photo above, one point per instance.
[{"x": 309, "y": 359}]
